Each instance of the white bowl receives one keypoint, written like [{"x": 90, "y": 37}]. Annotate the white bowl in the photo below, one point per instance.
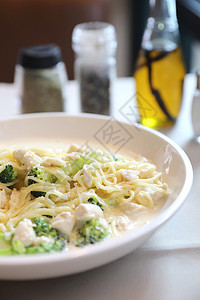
[{"x": 169, "y": 158}]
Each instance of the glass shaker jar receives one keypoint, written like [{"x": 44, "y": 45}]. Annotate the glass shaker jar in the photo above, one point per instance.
[
  {"x": 95, "y": 44},
  {"x": 41, "y": 78},
  {"x": 160, "y": 70}
]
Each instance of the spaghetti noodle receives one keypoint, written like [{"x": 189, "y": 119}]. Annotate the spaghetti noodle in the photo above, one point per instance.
[{"x": 49, "y": 183}]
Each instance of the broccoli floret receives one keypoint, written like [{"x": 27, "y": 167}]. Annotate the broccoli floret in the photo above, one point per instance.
[
  {"x": 6, "y": 251},
  {"x": 115, "y": 158},
  {"x": 8, "y": 174},
  {"x": 75, "y": 165},
  {"x": 93, "y": 231},
  {"x": 95, "y": 201},
  {"x": 45, "y": 247},
  {"x": 58, "y": 245},
  {"x": 8, "y": 247},
  {"x": 5, "y": 246},
  {"x": 41, "y": 248},
  {"x": 97, "y": 155},
  {"x": 18, "y": 247},
  {"x": 41, "y": 175},
  {"x": 111, "y": 202},
  {"x": 43, "y": 228}
]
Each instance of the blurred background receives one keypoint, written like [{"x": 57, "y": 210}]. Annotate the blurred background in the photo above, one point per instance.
[{"x": 31, "y": 22}]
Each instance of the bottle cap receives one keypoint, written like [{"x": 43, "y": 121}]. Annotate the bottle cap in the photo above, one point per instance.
[
  {"x": 40, "y": 56},
  {"x": 94, "y": 37}
]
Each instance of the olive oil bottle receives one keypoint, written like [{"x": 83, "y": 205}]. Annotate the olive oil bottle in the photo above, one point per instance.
[{"x": 160, "y": 70}]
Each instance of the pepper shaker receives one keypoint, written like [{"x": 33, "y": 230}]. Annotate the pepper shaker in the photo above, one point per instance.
[
  {"x": 94, "y": 44},
  {"x": 41, "y": 78},
  {"x": 196, "y": 109}
]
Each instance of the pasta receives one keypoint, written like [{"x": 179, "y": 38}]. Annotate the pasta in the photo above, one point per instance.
[{"x": 69, "y": 190}]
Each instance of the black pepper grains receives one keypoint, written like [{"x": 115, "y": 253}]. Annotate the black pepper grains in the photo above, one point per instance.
[
  {"x": 95, "y": 92},
  {"x": 95, "y": 66}
]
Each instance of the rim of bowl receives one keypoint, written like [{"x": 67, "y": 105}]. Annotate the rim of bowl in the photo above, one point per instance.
[{"x": 106, "y": 245}]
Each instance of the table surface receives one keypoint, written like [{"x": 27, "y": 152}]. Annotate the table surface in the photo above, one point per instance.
[{"x": 167, "y": 266}]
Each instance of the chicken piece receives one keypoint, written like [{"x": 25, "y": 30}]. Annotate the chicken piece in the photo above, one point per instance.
[
  {"x": 86, "y": 211},
  {"x": 28, "y": 158},
  {"x": 41, "y": 239},
  {"x": 71, "y": 156},
  {"x": 52, "y": 162},
  {"x": 155, "y": 195},
  {"x": 145, "y": 173},
  {"x": 3, "y": 199},
  {"x": 73, "y": 148},
  {"x": 128, "y": 175},
  {"x": 133, "y": 209},
  {"x": 87, "y": 178},
  {"x": 14, "y": 197},
  {"x": 64, "y": 222},
  {"x": 123, "y": 223},
  {"x": 8, "y": 235},
  {"x": 25, "y": 233},
  {"x": 2, "y": 227}
]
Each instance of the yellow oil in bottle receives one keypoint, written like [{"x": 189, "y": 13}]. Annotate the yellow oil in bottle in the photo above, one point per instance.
[{"x": 159, "y": 79}]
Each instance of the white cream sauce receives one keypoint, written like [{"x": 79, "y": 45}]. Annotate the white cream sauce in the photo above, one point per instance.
[{"x": 126, "y": 219}]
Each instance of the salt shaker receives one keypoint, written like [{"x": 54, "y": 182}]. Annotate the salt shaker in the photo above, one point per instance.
[
  {"x": 196, "y": 109},
  {"x": 41, "y": 78},
  {"x": 94, "y": 44}
]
